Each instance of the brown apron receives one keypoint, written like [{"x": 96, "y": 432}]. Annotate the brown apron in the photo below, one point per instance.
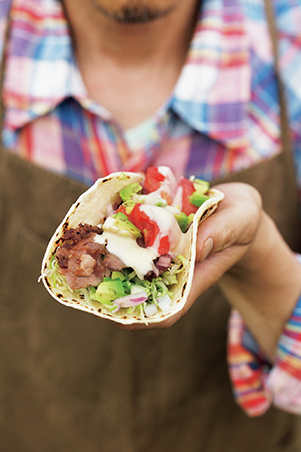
[{"x": 70, "y": 382}]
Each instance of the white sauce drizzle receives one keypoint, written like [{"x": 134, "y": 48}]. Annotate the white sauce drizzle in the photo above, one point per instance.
[
  {"x": 126, "y": 248},
  {"x": 132, "y": 255},
  {"x": 166, "y": 222}
]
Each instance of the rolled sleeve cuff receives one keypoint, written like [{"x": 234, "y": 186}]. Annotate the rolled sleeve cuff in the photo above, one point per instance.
[{"x": 256, "y": 383}]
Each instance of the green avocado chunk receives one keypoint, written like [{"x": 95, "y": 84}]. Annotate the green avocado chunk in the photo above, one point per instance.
[
  {"x": 182, "y": 220},
  {"x": 198, "y": 198},
  {"x": 129, "y": 191},
  {"x": 190, "y": 218},
  {"x": 110, "y": 289},
  {"x": 123, "y": 226},
  {"x": 201, "y": 185},
  {"x": 118, "y": 275}
]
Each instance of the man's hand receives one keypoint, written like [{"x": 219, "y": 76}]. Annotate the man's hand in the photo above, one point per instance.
[
  {"x": 240, "y": 249},
  {"x": 251, "y": 263}
]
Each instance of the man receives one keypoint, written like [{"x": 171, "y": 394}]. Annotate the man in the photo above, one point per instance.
[
  {"x": 138, "y": 94},
  {"x": 140, "y": 47}
]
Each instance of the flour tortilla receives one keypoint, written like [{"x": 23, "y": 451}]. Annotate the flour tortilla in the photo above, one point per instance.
[{"x": 91, "y": 208}]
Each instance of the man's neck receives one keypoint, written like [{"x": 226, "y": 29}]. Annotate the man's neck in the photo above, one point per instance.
[{"x": 118, "y": 60}]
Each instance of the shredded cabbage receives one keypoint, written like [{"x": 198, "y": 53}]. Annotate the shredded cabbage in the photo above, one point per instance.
[{"x": 154, "y": 291}]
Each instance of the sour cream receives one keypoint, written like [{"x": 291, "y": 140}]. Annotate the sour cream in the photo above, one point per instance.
[
  {"x": 131, "y": 254},
  {"x": 140, "y": 259}
]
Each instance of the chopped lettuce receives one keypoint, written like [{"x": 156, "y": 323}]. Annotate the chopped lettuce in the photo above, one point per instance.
[{"x": 124, "y": 290}]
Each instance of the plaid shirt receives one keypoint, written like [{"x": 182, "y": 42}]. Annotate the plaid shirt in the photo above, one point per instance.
[{"x": 223, "y": 116}]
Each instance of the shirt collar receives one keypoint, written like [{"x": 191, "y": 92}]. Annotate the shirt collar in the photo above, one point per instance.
[
  {"x": 40, "y": 68},
  {"x": 39, "y": 60},
  {"x": 214, "y": 86},
  {"x": 41, "y": 72}
]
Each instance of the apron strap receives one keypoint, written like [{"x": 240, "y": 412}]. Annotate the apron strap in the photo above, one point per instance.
[
  {"x": 284, "y": 122},
  {"x": 2, "y": 69}
]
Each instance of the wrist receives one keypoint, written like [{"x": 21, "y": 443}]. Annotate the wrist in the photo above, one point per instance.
[{"x": 265, "y": 284}]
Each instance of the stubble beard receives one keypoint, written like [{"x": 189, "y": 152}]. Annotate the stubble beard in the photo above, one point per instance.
[{"x": 133, "y": 14}]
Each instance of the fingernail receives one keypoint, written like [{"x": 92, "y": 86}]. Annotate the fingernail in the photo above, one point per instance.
[{"x": 208, "y": 245}]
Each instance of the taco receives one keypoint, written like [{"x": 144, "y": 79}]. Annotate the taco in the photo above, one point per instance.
[{"x": 126, "y": 249}]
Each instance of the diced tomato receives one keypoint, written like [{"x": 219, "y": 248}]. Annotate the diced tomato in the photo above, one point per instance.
[
  {"x": 153, "y": 179},
  {"x": 149, "y": 228},
  {"x": 187, "y": 188},
  {"x": 164, "y": 246}
]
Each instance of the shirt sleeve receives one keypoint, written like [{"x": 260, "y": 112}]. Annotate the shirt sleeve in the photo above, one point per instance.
[{"x": 256, "y": 383}]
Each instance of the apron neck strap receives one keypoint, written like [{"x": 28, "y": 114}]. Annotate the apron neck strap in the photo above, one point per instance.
[
  {"x": 284, "y": 122},
  {"x": 2, "y": 70}
]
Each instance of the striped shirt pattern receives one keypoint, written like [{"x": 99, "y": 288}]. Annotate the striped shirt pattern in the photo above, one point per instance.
[{"x": 223, "y": 116}]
